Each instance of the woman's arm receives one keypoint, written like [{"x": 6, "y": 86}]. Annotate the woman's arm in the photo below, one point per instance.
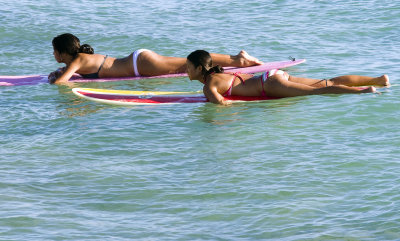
[
  {"x": 212, "y": 94},
  {"x": 55, "y": 74},
  {"x": 67, "y": 73}
]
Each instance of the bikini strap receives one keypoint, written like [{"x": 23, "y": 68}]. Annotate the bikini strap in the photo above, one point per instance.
[
  {"x": 326, "y": 82},
  {"x": 104, "y": 60},
  {"x": 262, "y": 78},
  {"x": 237, "y": 75}
]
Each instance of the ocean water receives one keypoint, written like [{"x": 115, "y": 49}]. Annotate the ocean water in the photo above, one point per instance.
[{"x": 304, "y": 168}]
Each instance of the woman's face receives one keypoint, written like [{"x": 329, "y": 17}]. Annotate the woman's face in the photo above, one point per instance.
[
  {"x": 192, "y": 71},
  {"x": 57, "y": 56}
]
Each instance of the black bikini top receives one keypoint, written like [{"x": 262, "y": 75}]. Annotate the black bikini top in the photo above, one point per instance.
[{"x": 94, "y": 75}]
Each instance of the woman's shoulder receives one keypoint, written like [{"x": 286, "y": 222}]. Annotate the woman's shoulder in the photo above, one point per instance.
[
  {"x": 84, "y": 55},
  {"x": 218, "y": 78},
  {"x": 222, "y": 76}
]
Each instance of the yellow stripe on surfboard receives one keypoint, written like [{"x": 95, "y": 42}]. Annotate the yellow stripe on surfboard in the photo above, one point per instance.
[{"x": 134, "y": 92}]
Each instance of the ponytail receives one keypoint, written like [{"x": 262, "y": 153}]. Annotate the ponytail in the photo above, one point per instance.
[
  {"x": 216, "y": 69},
  {"x": 86, "y": 48}
]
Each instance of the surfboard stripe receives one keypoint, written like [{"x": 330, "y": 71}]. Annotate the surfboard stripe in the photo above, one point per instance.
[{"x": 134, "y": 92}]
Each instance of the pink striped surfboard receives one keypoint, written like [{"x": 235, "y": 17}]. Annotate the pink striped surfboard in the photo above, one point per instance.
[{"x": 126, "y": 97}]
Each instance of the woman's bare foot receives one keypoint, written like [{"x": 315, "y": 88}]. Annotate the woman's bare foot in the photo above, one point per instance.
[
  {"x": 385, "y": 79},
  {"x": 243, "y": 59},
  {"x": 382, "y": 80}
]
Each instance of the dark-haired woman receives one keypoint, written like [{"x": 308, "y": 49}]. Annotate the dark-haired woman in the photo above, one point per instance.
[
  {"x": 82, "y": 60},
  {"x": 274, "y": 83}
]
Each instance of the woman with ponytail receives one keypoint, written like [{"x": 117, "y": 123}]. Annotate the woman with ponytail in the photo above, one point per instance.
[
  {"x": 274, "y": 83},
  {"x": 82, "y": 60}
]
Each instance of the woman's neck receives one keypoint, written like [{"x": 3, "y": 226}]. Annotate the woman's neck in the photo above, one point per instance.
[{"x": 67, "y": 59}]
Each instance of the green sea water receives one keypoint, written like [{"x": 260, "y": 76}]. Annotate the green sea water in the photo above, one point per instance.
[{"x": 305, "y": 168}]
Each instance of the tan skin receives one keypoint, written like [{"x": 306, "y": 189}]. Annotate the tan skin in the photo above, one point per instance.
[
  {"x": 149, "y": 64},
  {"x": 280, "y": 85}
]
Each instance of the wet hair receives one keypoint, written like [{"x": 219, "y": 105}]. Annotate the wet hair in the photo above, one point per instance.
[
  {"x": 203, "y": 58},
  {"x": 70, "y": 44}
]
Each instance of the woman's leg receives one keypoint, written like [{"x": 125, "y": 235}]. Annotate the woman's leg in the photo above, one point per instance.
[
  {"x": 150, "y": 63},
  {"x": 348, "y": 80},
  {"x": 242, "y": 59},
  {"x": 357, "y": 80},
  {"x": 279, "y": 86}
]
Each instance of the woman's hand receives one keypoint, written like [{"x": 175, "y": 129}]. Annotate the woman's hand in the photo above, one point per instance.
[
  {"x": 213, "y": 96},
  {"x": 53, "y": 76}
]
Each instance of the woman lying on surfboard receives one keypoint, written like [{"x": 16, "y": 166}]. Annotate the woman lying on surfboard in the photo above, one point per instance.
[
  {"x": 82, "y": 60},
  {"x": 274, "y": 83}
]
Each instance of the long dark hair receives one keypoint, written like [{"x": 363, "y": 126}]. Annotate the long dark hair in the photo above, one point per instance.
[
  {"x": 70, "y": 44},
  {"x": 203, "y": 58}
]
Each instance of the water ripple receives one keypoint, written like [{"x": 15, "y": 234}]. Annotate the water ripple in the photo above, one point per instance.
[{"x": 315, "y": 167}]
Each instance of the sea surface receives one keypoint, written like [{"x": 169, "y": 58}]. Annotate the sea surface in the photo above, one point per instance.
[{"x": 305, "y": 168}]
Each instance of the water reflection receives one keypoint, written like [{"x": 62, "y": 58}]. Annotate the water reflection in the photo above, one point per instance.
[
  {"x": 70, "y": 105},
  {"x": 221, "y": 115}
]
